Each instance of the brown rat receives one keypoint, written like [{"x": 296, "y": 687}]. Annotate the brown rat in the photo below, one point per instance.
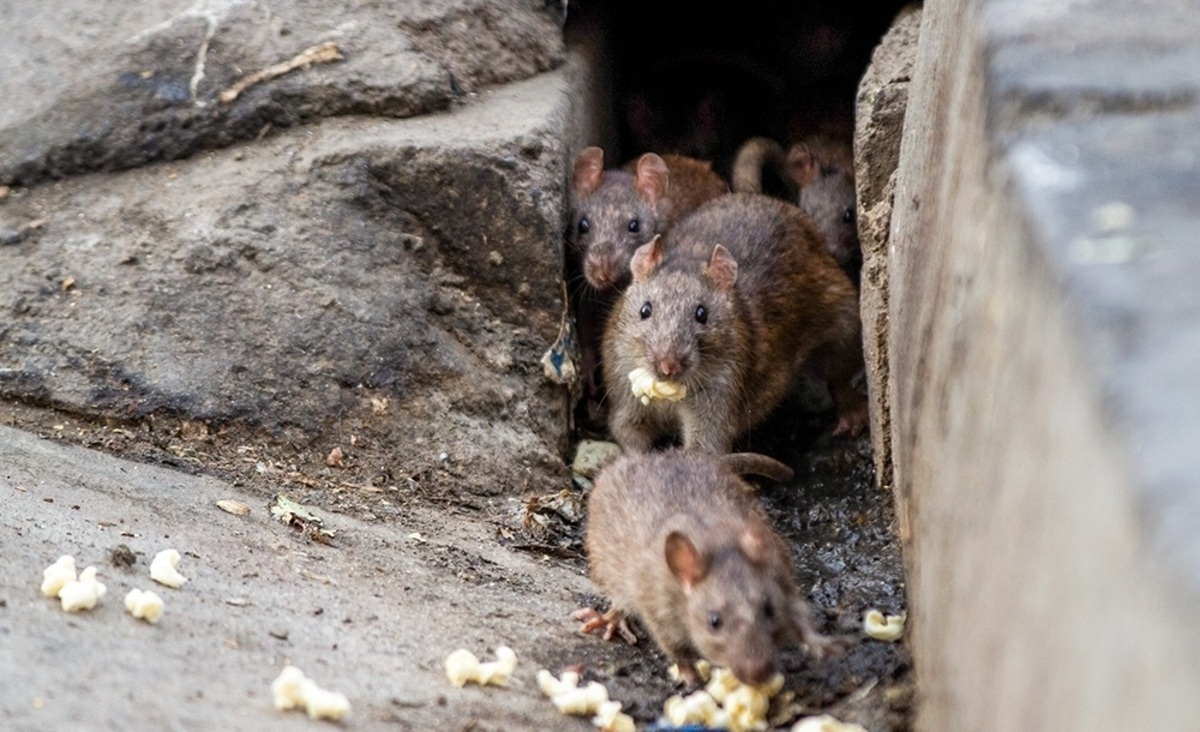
[
  {"x": 818, "y": 174},
  {"x": 680, "y": 540},
  {"x": 614, "y": 212},
  {"x": 733, "y": 304}
]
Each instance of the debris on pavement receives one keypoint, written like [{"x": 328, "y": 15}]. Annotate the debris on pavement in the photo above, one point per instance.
[
  {"x": 163, "y": 569},
  {"x": 293, "y": 514}
]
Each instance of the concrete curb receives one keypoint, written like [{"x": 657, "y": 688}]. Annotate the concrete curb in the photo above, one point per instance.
[{"x": 1042, "y": 351}]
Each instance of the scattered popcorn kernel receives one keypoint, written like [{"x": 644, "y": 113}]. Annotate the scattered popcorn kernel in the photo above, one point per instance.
[
  {"x": 703, "y": 670},
  {"x": 571, "y": 698},
  {"x": 581, "y": 700},
  {"x": 889, "y": 628},
  {"x": 323, "y": 704},
  {"x": 725, "y": 703},
  {"x": 144, "y": 605},
  {"x": 162, "y": 569},
  {"x": 721, "y": 683},
  {"x": 462, "y": 667},
  {"x": 552, "y": 686},
  {"x": 57, "y": 575},
  {"x": 610, "y": 718},
  {"x": 826, "y": 723},
  {"x": 293, "y": 690},
  {"x": 647, "y": 387},
  {"x": 747, "y": 704},
  {"x": 83, "y": 593},
  {"x": 287, "y": 690},
  {"x": 696, "y": 708}
]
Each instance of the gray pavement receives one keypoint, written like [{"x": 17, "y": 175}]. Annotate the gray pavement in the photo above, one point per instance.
[{"x": 373, "y": 616}]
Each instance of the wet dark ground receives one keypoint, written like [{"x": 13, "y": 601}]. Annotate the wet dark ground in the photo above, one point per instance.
[{"x": 847, "y": 560}]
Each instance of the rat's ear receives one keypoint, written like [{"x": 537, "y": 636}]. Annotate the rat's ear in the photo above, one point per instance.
[
  {"x": 686, "y": 562},
  {"x": 802, "y": 165},
  {"x": 722, "y": 269},
  {"x": 755, "y": 543},
  {"x": 646, "y": 259},
  {"x": 589, "y": 169},
  {"x": 652, "y": 180}
]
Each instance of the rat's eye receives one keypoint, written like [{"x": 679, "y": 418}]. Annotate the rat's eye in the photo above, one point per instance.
[
  {"x": 701, "y": 314},
  {"x": 646, "y": 310},
  {"x": 714, "y": 620},
  {"x": 584, "y": 225},
  {"x": 768, "y": 610},
  {"x": 634, "y": 226},
  {"x": 848, "y": 216}
]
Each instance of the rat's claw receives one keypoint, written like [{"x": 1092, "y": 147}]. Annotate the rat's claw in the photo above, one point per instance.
[
  {"x": 852, "y": 422},
  {"x": 612, "y": 622}
]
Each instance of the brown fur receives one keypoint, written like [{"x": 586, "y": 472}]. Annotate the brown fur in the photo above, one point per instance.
[
  {"x": 817, "y": 174},
  {"x": 789, "y": 304},
  {"x": 654, "y": 191},
  {"x": 673, "y": 537}
]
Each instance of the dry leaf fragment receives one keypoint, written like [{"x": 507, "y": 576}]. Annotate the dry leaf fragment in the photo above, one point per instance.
[
  {"x": 336, "y": 458},
  {"x": 237, "y": 508}
]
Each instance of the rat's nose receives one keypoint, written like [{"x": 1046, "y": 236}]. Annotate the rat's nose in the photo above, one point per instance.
[
  {"x": 669, "y": 366},
  {"x": 755, "y": 671}
]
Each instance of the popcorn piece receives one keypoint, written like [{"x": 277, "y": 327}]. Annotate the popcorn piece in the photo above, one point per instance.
[
  {"x": 323, "y": 704},
  {"x": 57, "y": 575},
  {"x": 725, "y": 703},
  {"x": 552, "y": 687},
  {"x": 696, "y": 708},
  {"x": 703, "y": 671},
  {"x": 826, "y": 723},
  {"x": 293, "y": 690},
  {"x": 610, "y": 718},
  {"x": 581, "y": 700},
  {"x": 647, "y": 387},
  {"x": 889, "y": 628},
  {"x": 568, "y": 696},
  {"x": 747, "y": 707},
  {"x": 287, "y": 690},
  {"x": 83, "y": 593},
  {"x": 144, "y": 605},
  {"x": 162, "y": 569},
  {"x": 462, "y": 667}
]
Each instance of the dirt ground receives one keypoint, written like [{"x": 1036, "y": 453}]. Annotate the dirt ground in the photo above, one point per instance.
[{"x": 483, "y": 571}]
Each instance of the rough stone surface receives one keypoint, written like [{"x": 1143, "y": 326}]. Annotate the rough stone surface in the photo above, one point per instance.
[
  {"x": 117, "y": 86},
  {"x": 1043, "y": 350},
  {"x": 879, "y": 123},
  {"x": 405, "y": 274}
]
